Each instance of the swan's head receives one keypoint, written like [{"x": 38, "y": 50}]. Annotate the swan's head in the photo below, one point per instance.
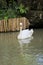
[{"x": 20, "y": 23}]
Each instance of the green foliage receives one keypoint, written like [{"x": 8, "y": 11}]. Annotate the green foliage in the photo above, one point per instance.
[
  {"x": 10, "y": 13},
  {"x": 6, "y": 18},
  {"x": 23, "y": 9},
  {"x": 17, "y": 11},
  {"x": 2, "y": 14},
  {"x": 3, "y": 4}
]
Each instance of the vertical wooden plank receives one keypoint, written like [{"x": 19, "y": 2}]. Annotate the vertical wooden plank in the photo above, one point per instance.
[
  {"x": 14, "y": 22},
  {"x": 10, "y": 24},
  {"x": 5, "y": 25},
  {"x": 18, "y": 24},
  {"x": 27, "y": 23},
  {"x": 1, "y": 26},
  {"x": 25, "y": 20}
]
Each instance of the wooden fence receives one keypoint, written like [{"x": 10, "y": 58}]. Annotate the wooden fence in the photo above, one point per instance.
[{"x": 13, "y": 24}]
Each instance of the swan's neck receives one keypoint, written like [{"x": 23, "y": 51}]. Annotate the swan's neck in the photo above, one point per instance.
[{"x": 20, "y": 27}]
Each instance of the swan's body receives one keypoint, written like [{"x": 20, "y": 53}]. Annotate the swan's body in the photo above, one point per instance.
[{"x": 25, "y": 34}]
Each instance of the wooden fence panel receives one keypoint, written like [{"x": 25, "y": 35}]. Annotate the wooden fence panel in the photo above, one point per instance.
[{"x": 13, "y": 24}]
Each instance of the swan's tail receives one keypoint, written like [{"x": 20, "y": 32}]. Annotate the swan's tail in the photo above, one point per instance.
[{"x": 32, "y": 31}]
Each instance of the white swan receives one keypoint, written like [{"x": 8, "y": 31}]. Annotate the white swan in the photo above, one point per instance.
[{"x": 24, "y": 33}]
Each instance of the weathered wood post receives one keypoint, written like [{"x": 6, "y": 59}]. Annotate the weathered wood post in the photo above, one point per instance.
[
  {"x": 14, "y": 22},
  {"x": 9, "y": 24},
  {"x": 5, "y": 24},
  {"x": 18, "y": 24},
  {"x": 1, "y": 26}
]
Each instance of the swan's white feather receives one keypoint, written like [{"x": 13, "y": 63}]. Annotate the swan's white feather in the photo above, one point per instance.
[{"x": 25, "y": 34}]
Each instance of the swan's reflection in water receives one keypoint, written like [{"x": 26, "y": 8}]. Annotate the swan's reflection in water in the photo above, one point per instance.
[
  {"x": 23, "y": 42},
  {"x": 23, "y": 50},
  {"x": 28, "y": 40}
]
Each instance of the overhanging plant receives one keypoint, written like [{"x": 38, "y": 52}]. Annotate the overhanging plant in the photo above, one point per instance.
[
  {"x": 19, "y": 10},
  {"x": 22, "y": 9}
]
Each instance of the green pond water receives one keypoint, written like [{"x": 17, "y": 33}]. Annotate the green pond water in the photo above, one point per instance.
[{"x": 21, "y": 52}]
